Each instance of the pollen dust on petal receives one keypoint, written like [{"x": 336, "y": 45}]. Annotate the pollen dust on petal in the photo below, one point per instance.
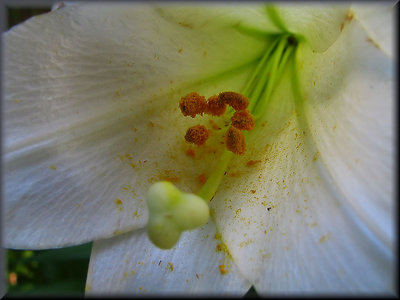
[
  {"x": 190, "y": 152},
  {"x": 170, "y": 266},
  {"x": 222, "y": 269},
  {"x": 252, "y": 162},
  {"x": 202, "y": 178}
]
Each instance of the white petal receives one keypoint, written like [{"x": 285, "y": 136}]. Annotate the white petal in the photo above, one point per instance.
[
  {"x": 309, "y": 217},
  {"x": 351, "y": 115},
  {"x": 84, "y": 86},
  {"x": 320, "y": 24},
  {"x": 129, "y": 264},
  {"x": 378, "y": 21}
]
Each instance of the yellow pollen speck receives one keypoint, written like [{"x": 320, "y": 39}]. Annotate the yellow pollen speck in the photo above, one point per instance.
[
  {"x": 170, "y": 266},
  {"x": 187, "y": 25},
  {"x": 133, "y": 272},
  {"x": 323, "y": 238},
  {"x": 118, "y": 201},
  {"x": 16, "y": 100},
  {"x": 222, "y": 269},
  {"x": 180, "y": 50},
  {"x": 88, "y": 288},
  {"x": 53, "y": 167},
  {"x": 316, "y": 156}
]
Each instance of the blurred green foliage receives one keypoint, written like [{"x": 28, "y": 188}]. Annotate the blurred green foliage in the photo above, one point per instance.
[{"x": 48, "y": 272}]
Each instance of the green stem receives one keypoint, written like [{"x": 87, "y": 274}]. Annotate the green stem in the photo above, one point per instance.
[{"x": 210, "y": 187}]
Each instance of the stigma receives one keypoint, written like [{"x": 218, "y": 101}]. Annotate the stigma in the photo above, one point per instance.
[{"x": 194, "y": 104}]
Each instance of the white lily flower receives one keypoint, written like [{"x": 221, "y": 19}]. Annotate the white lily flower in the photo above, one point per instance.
[{"x": 91, "y": 122}]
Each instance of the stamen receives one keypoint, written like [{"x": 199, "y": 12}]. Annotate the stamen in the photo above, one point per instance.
[
  {"x": 197, "y": 134},
  {"x": 236, "y": 100},
  {"x": 193, "y": 104},
  {"x": 243, "y": 120},
  {"x": 235, "y": 141},
  {"x": 216, "y": 106}
]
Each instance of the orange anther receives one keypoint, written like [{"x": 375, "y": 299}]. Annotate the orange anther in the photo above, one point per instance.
[
  {"x": 193, "y": 104},
  {"x": 243, "y": 120},
  {"x": 197, "y": 134},
  {"x": 235, "y": 141},
  {"x": 216, "y": 106},
  {"x": 236, "y": 100}
]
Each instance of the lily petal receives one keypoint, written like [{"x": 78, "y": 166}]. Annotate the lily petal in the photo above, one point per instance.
[
  {"x": 378, "y": 21},
  {"x": 351, "y": 115},
  {"x": 88, "y": 119},
  {"x": 320, "y": 24},
  {"x": 316, "y": 213},
  {"x": 130, "y": 264}
]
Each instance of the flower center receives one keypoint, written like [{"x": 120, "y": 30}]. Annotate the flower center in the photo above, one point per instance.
[
  {"x": 193, "y": 104},
  {"x": 172, "y": 211},
  {"x": 258, "y": 89}
]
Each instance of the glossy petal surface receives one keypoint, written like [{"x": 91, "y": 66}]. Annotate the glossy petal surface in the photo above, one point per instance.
[
  {"x": 129, "y": 264},
  {"x": 315, "y": 214},
  {"x": 88, "y": 121}
]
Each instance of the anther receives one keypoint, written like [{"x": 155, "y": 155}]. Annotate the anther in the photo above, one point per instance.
[
  {"x": 215, "y": 106},
  {"x": 197, "y": 134},
  {"x": 236, "y": 100},
  {"x": 243, "y": 120},
  {"x": 193, "y": 104},
  {"x": 235, "y": 141}
]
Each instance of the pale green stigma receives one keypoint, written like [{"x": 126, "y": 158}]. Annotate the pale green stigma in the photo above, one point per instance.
[{"x": 171, "y": 212}]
